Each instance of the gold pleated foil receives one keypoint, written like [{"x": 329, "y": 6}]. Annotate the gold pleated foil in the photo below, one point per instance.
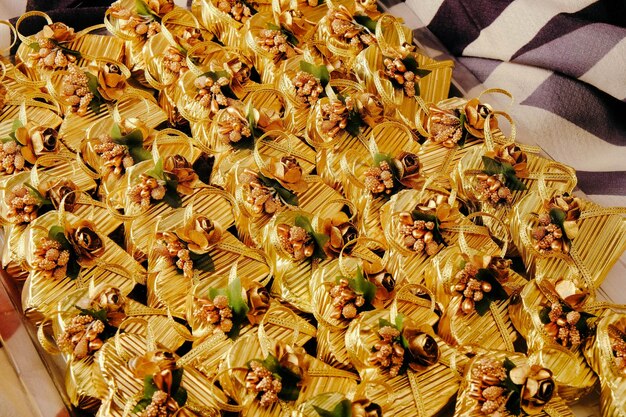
[
  {"x": 14, "y": 252},
  {"x": 115, "y": 267},
  {"x": 600, "y": 242},
  {"x": 125, "y": 390},
  {"x": 422, "y": 393},
  {"x": 573, "y": 375},
  {"x": 320, "y": 377},
  {"x": 433, "y": 88},
  {"x": 468, "y": 407},
  {"x": 554, "y": 175},
  {"x": 414, "y": 265},
  {"x": 599, "y": 355},
  {"x": 494, "y": 330}
]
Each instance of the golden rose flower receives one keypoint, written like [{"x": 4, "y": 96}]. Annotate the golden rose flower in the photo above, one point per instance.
[
  {"x": 268, "y": 119},
  {"x": 571, "y": 206},
  {"x": 259, "y": 302},
  {"x": 113, "y": 301},
  {"x": 293, "y": 358},
  {"x": 447, "y": 215},
  {"x": 370, "y": 108},
  {"x": 179, "y": 167},
  {"x": 85, "y": 241},
  {"x": 288, "y": 172},
  {"x": 501, "y": 268},
  {"x": 111, "y": 82},
  {"x": 61, "y": 189},
  {"x": 161, "y": 7},
  {"x": 385, "y": 287},
  {"x": 36, "y": 141},
  {"x": 58, "y": 31},
  {"x": 538, "y": 386},
  {"x": 567, "y": 291},
  {"x": 341, "y": 231},
  {"x": 365, "y": 408},
  {"x": 513, "y": 155},
  {"x": 475, "y": 115},
  {"x": 132, "y": 123},
  {"x": 157, "y": 363},
  {"x": 189, "y": 37},
  {"x": 238, "y": 71},
  {"x": 423, "y": 350},
  {"x": 200, "y": 234}
]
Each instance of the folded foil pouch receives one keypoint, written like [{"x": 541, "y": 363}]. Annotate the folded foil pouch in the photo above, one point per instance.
[
  {"x": 64, "y": 252},
  {"x": 557, "y": 233},
  {"x": 556, "y": 318},
  {"x": 419, "y": 224},
  {"x": 391, "y": 166},
  {"x": 509, "y": 384},
  {"x": 605, "y": 354},
  {"x": 56, "y": 46},
  {"x": 403, "y": 351},
  {"x": 495, "y": 179},
  {"x": 474, "y": 292},
  {"x": 140, "y": 373},
  {"x": 301, "y": 376},
  {"x": 191, "y": 249}
]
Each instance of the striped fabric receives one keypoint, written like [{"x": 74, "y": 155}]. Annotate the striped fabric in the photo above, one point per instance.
[{"x": 564, "y": 62}]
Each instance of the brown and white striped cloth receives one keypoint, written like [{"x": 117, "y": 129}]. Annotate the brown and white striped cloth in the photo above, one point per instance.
[{"x": 563, "y": 61}]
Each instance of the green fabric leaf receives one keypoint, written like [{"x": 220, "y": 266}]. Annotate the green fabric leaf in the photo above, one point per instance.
[
  {"x": 149, "y": 387},
  {"x": 544, "y": 315},
  {"x": 511, "y": 179},
  {"x": 557, "y": 216},
  {"x": 513, "y": 404},
  {"x": 286, "y": 195},
  {"x": 57, "y": 233},
  {"x": 34, "y": 46},
  {"x": 366, "y": 22},
  {"x": 143, "y": 10},
  {"x": 492, "y": 167},
  {"x": 69, "y": 51},
  {"x": 202, "y": 261},
  {"x": 319, "y": 238},
  {"x": 95, "y": 105},
  {"x": 509, "y": 364},
  {"x": 342, "y": 409},
  {"x": 482, "y": 306},
  {"x": 463, "y": 119},
  {"x": 139, "y": 154},
  {"x": 96, "y": 314},
  {"x": 141, "y": 405},
  {"x": 271, "y": 363},
  {"x": 16, "y": 125},
  {"x": 92, "y": 84},
  {"x": 320, "y": 72},
  {"x": 399, "y": 322},
  {"x": 238, "y": 305},
  {"x": 180, "y": 396},
  {"x": 497, "y": 291},
  {"x": 172, "y": 198},
  {"x": 157, "y": 171},
  {"x": 354, "y": 123},
  {"x": 290, "y": 385},
  {"x": 421, "y": 73},
  {"x": 362, "y": 286},
  {"x": 177, "y": 378}
]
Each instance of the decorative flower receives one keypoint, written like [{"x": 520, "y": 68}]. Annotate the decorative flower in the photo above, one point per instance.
[
  {"x": 444, "y": 127},
  {"x": 264, "y": 194},
  {"x": 369, "y": 107},
  {"x": 111, "y": 82},
  {"x": 63, "y": 189},
  {"x": 277, "y": 41},
  {"x": 288, "y": 172},
  {"x": 112, "y": 301},
  {"x": 504, "y": 166},
  {"x": 173, "y": 248},
  {"x": 216, "y": 312},
  {"x": 366, "y": 408},
  {"x": 87, "y": 244},
  {"x": 478, "y": 284},
  {"x": 200, "y": 233},
  {"x": 404, "y": 73},
  {"x": 558, "y": 226},
  {"x": 233, "y": 126},
  {"x": 538, "y": 386},
  {"x": 259, "y": 302},
  {"x": 82, "y": 336},
  {"x": 475, "y": 115},
  {"x": 237, "y": 9},
  {"x": 343, "y": 27},
  {"x": 341, "y": 231},
  {"x": 295, "y": 241},
  {"x": 351, "y": 295},
  {"x": 51, "y": 259},
  {"x": 78, "y": 92},
  {"x": 389, "y": 173},
  {"x": 37, "y": 141},
  {"x": 281, "y": 375},
  {"x": 177, "y": 166},
  {"x": 422, "y": 348},
  {"x": 49, "y": 47}
]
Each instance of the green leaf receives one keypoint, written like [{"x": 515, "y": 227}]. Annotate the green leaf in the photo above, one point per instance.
[
  {"x": 462, "y": 119},
  {"x": 272, "y": 26},
  {"x": 69, "y": 51},
  {"x": 172, "y": 198},
  {"x": 92, "y": 84},
  {"x": 157, "y": 171},
  {"x": 149, "y": 387},
  {"x": 320, "y": 72},
  {"x": 139, "y": 154},
  {"x": 271, "y": 363},
  {"x": 143, "y": 9},
  {"x": 16, "y": 125},
  {"x": 290, "y": 385},
  {"x": 319, "y": 238},
  {"x": 399, "y": 322},
  {"x": 384, "y": 323},
  {"x": 214, "y": 292},
  {"x": 57, "y": 233},
  {"x": 141, "y": 405},
  {"x": 238, "y": 305},
  {"x": 216, "y": 75},
  {"x": 382, "y": 157},
  {"x": 492, "y": 167},
  {"x": 202, "y": 261},
  {"x": 508, "y": 364},
  {"x": 96, "y": 314},
  {"x": 497, "y": 291},
  {"x": 95, "y": 105},
  {"x": 557, "y": 216},
  {"x": 513, "y": 404},
  {"x": 180, "y": 396},
  {"x": 286, "y": 195},
  {"x": 177, "y": 378},
  {"x": 544, "y": 315},
  {"x": 366, "y": 22},
  {"x": 362, "y": 286},
  {"x": 511, "y": 180},
  {"x": 420, "y": 215},
  {"x": 342, "y": 409},
  {"x": 34, "y": 46}
]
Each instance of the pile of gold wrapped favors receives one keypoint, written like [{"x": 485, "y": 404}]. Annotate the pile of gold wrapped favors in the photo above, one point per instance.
[{"x": 265, "y": 209}]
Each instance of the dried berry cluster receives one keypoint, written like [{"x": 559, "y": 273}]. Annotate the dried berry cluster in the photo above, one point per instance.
[
  {"x": 170, "y": 246},
  {"x": 158, "y": 405},
  {"x": 273, "y": 41},
  {"x": 417, "y": 235},
  {"x": 50, "y": 55},
  {"x": 116, "y": 157},
  {"x": 216, "y": 312},
  {"x": 236, "y": 9},
  {"x": 11, "y": 158},
  {"x": 51, "y": 258},
  {"x": 492, "y": 188},
  {"x": 22, "y": 205},
  {"x": 345, "y": 302},
  {"x": 262, "y": 382},
  {"x": 487, "y": 376},
  {"x": 445, "y": 128},
  {"x": 335, "y": 116},
  {"x": 388, "y": 352},
  {"x": 379, "y": 180},
  {"x": 210, "y": 93},
  {"x": 232, "y": 128},
  {"x": 174, "y": 61},
  {"x": 567, "y": 333},
  {"x": 308, "y": 88},
  {"x": 472, "y": 289},
  {"x": 397, "y": 71},
  {"x": 147, "y": 190},
  {"x": 263, "y": 199},
  {"x": 618, "y": 345},
  {"x": 82, "y": 336},
  {"x": 548, "y": 236},
  {"x": 344, "y": 28},
  {"x": 75, "y": 89},
  {"x": 138, "y": 25},
  {"x": 295, "y": 241}
]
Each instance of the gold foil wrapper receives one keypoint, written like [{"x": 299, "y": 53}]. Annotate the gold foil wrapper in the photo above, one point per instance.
[{"x": 573, "y": 375}]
